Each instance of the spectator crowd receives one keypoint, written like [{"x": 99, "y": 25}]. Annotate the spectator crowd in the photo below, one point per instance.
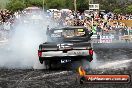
[
  {"x": 98, "y": 22},
  {"x": 6, "y": 18}
]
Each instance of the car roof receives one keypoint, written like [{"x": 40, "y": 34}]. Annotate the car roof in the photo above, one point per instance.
[{"x": 69, "y": 27}]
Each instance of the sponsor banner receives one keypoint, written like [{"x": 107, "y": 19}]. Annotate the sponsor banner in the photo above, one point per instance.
[
  {"x": 93, "y": 6},
  {"x": 105, "y": 39},
  {"x": 107, "y": 78}
]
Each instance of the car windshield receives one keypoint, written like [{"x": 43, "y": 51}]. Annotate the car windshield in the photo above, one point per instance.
[{"x": 69, "y": 33}]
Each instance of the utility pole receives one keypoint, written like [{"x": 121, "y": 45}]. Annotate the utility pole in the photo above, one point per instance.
[
  {"x": 75, "y": 5},
  {"x": 43, "y": 4}
]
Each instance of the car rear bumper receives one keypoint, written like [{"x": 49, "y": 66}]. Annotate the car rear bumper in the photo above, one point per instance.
[
  {"x": 65, "y": 53},
  {"x": 73, "y": 58}
]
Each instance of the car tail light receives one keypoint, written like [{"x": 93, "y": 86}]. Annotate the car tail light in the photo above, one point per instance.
[
  {"x": 91, "y": 52},
  {"x": 39, "y": 53}
]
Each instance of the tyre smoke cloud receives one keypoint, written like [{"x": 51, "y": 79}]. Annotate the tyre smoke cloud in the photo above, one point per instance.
[
  {"x": 28, "y": 33},
  {"x": 116, "y": 63},
  {"x": 109, "y": 56}
]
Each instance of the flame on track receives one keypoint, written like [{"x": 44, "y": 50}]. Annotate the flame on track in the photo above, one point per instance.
[{"x": 81, "y": 71}]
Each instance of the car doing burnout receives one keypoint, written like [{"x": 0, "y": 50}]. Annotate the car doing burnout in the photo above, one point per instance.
[{"x": 66, "y": 43}]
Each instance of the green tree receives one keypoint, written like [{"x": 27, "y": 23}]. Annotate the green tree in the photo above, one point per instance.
[
  {"x": 0, "y": 6},
  {"x": 55, "y": 4},
  {"x": 3, "y": 3},
  {"x": 81, "y": 6},
  {"x": 38, "y": 3},
  {"x": 117, "y": 11},
  {"x": 129, "y": 9},
  {"x": 108, "y": 5},
  {"x": 15, "y": 5},
  {"x": 68, "y": 4}
]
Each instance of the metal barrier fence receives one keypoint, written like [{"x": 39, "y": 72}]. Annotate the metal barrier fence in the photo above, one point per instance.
[{"x": 111, "y": 38}]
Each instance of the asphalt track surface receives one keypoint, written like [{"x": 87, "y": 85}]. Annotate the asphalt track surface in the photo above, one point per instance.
[{"x": 30, "y": 78}]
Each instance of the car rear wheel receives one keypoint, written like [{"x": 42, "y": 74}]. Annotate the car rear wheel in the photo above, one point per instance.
[
  {"x": 40, "y": 60},
  {"x": 47, "y": 64}
]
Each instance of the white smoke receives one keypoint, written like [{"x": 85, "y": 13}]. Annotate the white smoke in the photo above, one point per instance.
[
  {"x": 118, "y": 64},
  {"x": 93, "y": 64},
  {"x": 21, "y": 50}
]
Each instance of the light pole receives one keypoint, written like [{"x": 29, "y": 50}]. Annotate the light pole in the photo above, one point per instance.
[
  {"x": 43, "y": 4},
  {"x": 75, "y": 5}
]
